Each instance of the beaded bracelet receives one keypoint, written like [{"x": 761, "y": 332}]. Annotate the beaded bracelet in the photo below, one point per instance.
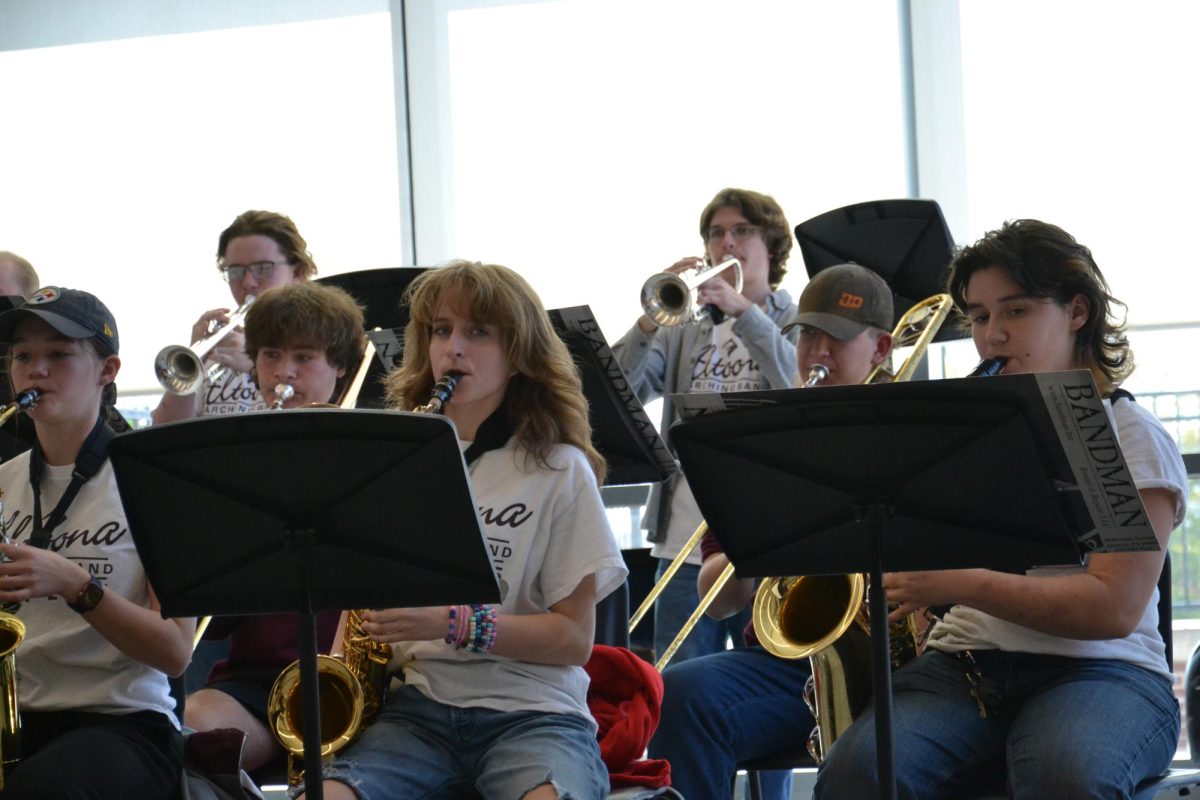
[
  {"x": 483, "y": 629},
  {"x": 451, "y": 636},
  {"x": 463, "y": 628}
]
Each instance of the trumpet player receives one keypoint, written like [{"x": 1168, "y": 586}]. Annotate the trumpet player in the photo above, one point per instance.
[
  {"x": 258, "y": 251},
  {"x": 736, "y": 347},
  {"x": 747, "y": 702},
  {"x": 96, "y": 707},
  {"x": 308, "y": 337},
  {"x": 1059, "y": 673}
]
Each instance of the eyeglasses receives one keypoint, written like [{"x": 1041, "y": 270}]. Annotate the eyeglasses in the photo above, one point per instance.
[
  {"x": 259, "y": 269},
  {"x": 740, "y": 233}
]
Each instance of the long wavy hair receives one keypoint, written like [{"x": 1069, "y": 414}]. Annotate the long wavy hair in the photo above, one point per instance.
[
  {"x": 1046, "y": 261},
  {"x": 544, "y": 399}
]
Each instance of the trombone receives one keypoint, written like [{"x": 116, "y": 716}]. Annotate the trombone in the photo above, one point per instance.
[
  {"x": 669, "y": 299},
  {"x": 817, "y": 374},
  {"x": 915, "y": 329},
  {"x": 180, "y": 370}
]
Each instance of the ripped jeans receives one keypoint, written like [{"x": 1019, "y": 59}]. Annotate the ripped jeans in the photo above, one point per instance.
[{"x": 419, "y": 748}]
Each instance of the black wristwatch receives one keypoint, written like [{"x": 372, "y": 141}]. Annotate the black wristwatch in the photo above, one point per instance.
[{"x": 88, "y": 597}]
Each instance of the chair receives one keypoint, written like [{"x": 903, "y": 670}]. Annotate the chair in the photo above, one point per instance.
[{"x": 1173, "y": 783}]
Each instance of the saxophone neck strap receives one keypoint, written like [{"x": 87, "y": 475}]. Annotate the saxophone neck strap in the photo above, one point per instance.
[
  {"x": 494, "y": 432},
  {"x": 88, "y": 462}
]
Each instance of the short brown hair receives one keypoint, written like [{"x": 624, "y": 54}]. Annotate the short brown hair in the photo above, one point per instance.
[
  {"x": 276, "y": 227},
  {"x": 309, "y": 315},
  {"x": 1046, "y": 261},
  {"x": 760, "y": 210}
]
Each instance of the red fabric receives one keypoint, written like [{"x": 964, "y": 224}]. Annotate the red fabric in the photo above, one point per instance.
[{"x": 625, "y": 697}]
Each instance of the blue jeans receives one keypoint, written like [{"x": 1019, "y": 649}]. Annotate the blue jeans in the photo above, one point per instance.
[
  {"x": 722, "y": 708},
  {"x": 1058, "y": 727},
  {"x": 677, "y": 602},
  {"x": 419, "y": 748}
]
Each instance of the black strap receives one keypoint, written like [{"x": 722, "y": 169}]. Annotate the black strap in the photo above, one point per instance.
[
  {"x": 91, "y": 458},
  {"x": 494, "y": 432},
  {"x": 1119, "y": 394}
]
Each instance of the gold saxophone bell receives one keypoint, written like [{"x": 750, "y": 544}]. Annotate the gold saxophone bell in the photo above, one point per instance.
[
  {"x": 670, "y": 299},
  {"x": 12, "y": 633},
  {"x": 180, "y": 370},
  {"x": 352, "y": 686}
]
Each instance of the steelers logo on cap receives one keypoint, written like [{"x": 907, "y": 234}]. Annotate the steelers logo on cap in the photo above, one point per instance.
[{"x": 46, "y": 294}]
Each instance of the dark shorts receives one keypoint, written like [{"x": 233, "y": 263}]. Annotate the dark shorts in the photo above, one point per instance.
[{"x": 251, "y": 694}]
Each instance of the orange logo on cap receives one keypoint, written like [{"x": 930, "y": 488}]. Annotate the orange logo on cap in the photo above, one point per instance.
[{"x": 848, "y": 300}]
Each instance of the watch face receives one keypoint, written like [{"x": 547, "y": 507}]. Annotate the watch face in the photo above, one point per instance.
[{"x": 89, "y": 598}]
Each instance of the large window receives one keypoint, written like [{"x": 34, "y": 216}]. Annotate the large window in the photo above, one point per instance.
[
  {"x": 577, "y": 142},
  {"x": 123, "y": 160},
  {"x": 1084, "y": 114}
]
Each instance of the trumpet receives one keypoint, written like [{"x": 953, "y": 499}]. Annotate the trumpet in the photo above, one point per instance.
[
  {"x": 670, "y": 299},
  {"x": 180, "y": 370},
  {"x": 816, "y": 374},
  {"x": 22, "y": 402}
]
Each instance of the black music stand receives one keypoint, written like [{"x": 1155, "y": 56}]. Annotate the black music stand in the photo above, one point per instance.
[
  {"x": 305, "y": 511},
  {"x": 621, "y": 431},
  {"x": 907, "y": 242},
  {"x": 1008, "y": 472}
]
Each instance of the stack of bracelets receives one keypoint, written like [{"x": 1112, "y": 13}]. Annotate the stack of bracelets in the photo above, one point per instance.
[{"x": 472, "y": 628}]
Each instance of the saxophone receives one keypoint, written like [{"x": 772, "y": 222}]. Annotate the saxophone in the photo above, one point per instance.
[
  {"x": 12, "y": 632},
  {"x": 825, "y": 618},
  {"x": 353, "y": 686}
]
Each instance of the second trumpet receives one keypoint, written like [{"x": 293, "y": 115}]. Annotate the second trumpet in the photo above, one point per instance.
[
  {"x": 180, "y": 370},
  {"x": 670, "y": 299}
]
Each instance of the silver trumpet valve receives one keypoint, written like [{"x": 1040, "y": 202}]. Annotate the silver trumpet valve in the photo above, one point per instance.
[
  {"x": 180, "y": 370},
  {"x": 669, "y": 299}
]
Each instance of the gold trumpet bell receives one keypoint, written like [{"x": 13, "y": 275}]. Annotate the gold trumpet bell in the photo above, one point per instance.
[
  {"x": 341, "y": 704},
  {"x": 796, "y": 617}
]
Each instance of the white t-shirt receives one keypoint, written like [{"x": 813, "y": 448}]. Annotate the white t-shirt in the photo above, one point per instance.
[
  {"x": 546, "y": 531},
  {"x": 1154, "y": 463},
  {"x": 64, "y": 663},
  {"x": 723, "y": 365},
  {"x": 237, "y": 394}
]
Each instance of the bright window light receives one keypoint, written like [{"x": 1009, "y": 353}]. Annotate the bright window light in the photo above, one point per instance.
[{"x": 124, "y": 160}]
